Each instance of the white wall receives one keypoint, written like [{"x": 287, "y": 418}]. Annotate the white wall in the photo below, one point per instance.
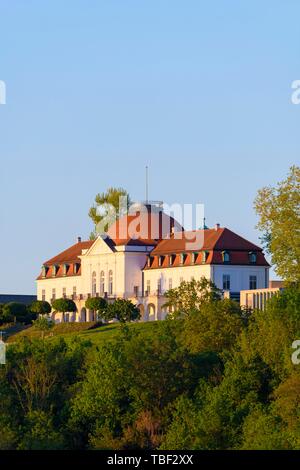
[
  {"x": 58, "y": 284},
  {"x": 184, "y": 272},
  {"x": 239, "y": 276}
]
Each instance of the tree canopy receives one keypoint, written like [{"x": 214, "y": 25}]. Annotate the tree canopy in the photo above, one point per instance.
[
  {"x": 97, "y": 304},
  {"x": 123, "y": 310},
  {"x": 278, "y": 209},
  {"x": 64, "y": 305},
  {"x": 189, "y": 296},
  {"x": 41, "y": 307},
  {"x": 107, "y": 207}
]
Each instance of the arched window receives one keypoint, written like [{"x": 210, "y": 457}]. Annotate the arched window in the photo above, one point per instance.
[
  {"x": 226, "y": 257},
  {"x": 110, "y": 283},
  {"x": 94, "y": 284},
  {"x": 102, "y": 283},
  {"x": 252, "y": 257}
]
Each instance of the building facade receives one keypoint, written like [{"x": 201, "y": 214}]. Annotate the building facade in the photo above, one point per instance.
[{"x": 144, "y": 255}]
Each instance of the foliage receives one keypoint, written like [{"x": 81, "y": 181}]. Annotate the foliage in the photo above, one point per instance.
[
  {"x": 16, "y": 312},
  {"x": 279, "y": 211},
  {"x": 40, "y": 307},
  {"x": 123, "y": 310},
  {"x": 97, "y": 304},
  {"x": 107, "y": 207},
  {"x": 64, "y": 305},
  {"x": 189, "y": 296},
  {"x": 216, "y": 326},
  {"x": 35, "y": 388},
  {"x": 43, "y": 324},
  {"x": 213, "y": 378}
]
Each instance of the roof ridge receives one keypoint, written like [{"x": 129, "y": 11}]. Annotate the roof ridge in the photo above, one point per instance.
[{"x": 242, "y": 238}]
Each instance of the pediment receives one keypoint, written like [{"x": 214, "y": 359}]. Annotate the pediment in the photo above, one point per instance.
[{"x": 101, "y": 246}]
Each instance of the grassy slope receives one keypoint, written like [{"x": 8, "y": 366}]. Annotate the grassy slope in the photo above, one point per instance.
[{"x": 83, "y": 330}]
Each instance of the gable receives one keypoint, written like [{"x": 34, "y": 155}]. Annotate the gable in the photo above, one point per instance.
[{"x": 101, "y": 246}]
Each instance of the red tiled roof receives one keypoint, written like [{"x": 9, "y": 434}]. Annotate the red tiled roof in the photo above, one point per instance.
[
  {"x": 210, "y": 239},
  {"x": 142, "y": 228},
  {"x": 71, "y": 253},
  {"x": 214, "y": 242},
  {"x": 70, "y": 256}
]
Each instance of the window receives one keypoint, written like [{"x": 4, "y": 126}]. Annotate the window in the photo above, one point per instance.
[
  {"x": 54, "y": 270},
  {"x": 64, "y": 292},
  {"x": 76, "y": 268},
  {"x": 94, "y": 284},
  {"x": 252, "y": 257},
  {"x": 149, "y": 262},
  {"x": 102, "y": 283},
  {"x": 159, "y": 286},
  {"x": 226, "y": 257},
  {"x": 194, "y": 257},
  {"x": 252, "y": 282},
  {"x": 160, "y": 260},
  {"x": 44, "y": 271},
  {"x": 110, "y": 282},
  {"x": 171, "y": 260},
  {"x": 65, "y": 269},
  {"x": 53, "y": 294},
  {"x": 182, "y": 258},
  {"x": 43, "y": 295},
  {"x": 170, "y": 283},
  {"x": 148, "y": 287},
  {"x": 74, "y": 291},
  {"x": 204, "y": 256},
  {"x": 226, "y": 282}
]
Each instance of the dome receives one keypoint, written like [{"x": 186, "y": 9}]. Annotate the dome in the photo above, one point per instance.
[{"x": 143, "y": 225}]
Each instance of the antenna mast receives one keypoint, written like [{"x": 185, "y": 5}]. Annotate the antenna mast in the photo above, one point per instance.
[{"x": 147, "y": 185}]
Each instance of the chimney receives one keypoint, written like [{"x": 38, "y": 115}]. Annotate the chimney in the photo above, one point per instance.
[
  {"x": 217, "y": 226},
  {"x": 78, "y": 239}
]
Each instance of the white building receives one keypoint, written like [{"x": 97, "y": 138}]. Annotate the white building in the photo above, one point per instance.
[{"x": 145, "y": 254}]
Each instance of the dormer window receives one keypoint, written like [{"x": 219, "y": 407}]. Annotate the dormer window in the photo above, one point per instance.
[
  {"x": 44, "y": 271},
  {"x": 76, "y": 268},
  {"x": 204, "y": 256},
  {"x": 194, "y": 257},
  {"x": 54, "y": 270},
  {"x": 252, "y": 257},
  {"x": 182, "y": 258},
  {"x": 65, "y": 269},
  {"x": 149, "y": 261},
  {"x": 171, "y": 260},
  {"x": 160, "y": 260},
  {"x": 226, "y": 256}
]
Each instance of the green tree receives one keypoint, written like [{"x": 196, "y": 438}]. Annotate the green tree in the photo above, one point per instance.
[
  {"x": 43, "y": 324},
  {"x": 64, "y": 305},
  {"x": 189, "y": 296},
  {"x": 97, "y": 304},
  {"x": 123, "y": 310},
  {"x": 279, "y": 211},
  {"x": 15, "y": 311},
  {"x": 216, "y": 326},
  {"x": 125, "y": 395},
  {"x": 35, "y": 388},
  {"x": 271, "y": 332},
  {"x": 107, "y": 205},
  {"x": 40, "y": 307}
]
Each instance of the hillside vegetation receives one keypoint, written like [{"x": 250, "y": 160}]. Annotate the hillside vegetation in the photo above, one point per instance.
[{"x": 212, "y": 377}]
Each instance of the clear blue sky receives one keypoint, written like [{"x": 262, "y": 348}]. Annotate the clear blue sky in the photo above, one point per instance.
[{"x": 199, "y": 91}]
